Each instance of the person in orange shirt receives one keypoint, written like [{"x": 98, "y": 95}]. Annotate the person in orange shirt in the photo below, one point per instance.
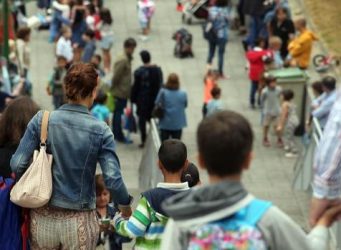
[
  {"x": 300, "y": 47},
  {"x": 210, "y": 82}
]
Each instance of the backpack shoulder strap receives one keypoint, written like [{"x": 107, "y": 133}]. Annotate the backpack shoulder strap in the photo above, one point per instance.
[{"x": 255, "y": 210}]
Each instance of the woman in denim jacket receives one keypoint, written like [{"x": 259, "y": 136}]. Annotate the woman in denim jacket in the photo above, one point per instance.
[{"x": 77, "y": 142}]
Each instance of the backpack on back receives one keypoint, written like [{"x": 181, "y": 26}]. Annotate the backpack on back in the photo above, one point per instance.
[{"x": 237, "y": 232}]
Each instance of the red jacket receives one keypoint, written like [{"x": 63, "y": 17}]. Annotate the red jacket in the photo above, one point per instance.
[{"x": 256, "y": 62}]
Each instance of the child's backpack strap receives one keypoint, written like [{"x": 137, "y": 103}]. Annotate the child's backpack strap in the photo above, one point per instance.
[{"x": 255, "y": 211}]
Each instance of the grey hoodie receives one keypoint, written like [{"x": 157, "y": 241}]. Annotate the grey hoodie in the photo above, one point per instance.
[{"x": 218, "y": 201}]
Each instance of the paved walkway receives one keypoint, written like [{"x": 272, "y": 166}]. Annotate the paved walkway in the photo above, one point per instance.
[{"x": 271, "y": 174}]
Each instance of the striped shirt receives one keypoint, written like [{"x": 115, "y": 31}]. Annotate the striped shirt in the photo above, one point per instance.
[
  {"x": 327, "y": 162},
  {"x": 146, "y": 224}
]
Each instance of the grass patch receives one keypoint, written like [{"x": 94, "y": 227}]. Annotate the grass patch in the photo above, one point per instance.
[{"x": 327, "y": 18}]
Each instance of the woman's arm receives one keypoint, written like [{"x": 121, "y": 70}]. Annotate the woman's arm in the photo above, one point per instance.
[
  {"x": 111, "y": 169},
  {"x": 30, "y": 142}
]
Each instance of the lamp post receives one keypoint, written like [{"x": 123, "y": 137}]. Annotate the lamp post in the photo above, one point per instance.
[{"x": 5, "y": 15}]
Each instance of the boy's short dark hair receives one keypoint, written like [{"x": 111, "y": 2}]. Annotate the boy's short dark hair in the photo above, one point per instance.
[
  {"x": 101, "y": 97},
  {"x": 318, "y": 87},
  {"x": 23, "y": 32},
  {"x": 145, "y": 56},
  {"x": 224, "y": 141},
  {"x": 191, "y": 175},
  {"x": 61, "y": 58},
  {"x": 215, "y": 92},
  {"x": 130, "y": 43},
  {"x": 329, "y": 82},
  {"x": 259, "y": 41},
  {"x": 269, "y": 79},
  {"x": 173, "y": 155},
  {"x": 288, "y": 94},
  {"x": 98, "y": 57},
  {"x": 90, "y": 33}
]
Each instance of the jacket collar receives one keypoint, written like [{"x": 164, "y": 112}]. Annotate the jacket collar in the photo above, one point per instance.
[{"x": 75, "y": 108}]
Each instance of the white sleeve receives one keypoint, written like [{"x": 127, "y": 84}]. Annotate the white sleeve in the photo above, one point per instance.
[
  {"x": 170, "y": 237},
  {"x": 319, "y": 238},
  {"x": 282, "y": 233},
  {"x": 59, "y": 48}
]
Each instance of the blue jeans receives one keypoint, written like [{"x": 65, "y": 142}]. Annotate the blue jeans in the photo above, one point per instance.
[
  {"x": 221, "y": 44},
  {"x": 253, "y": 91},
  {"x": 120, "y": 105},
  {"x": 257, "y": 29}
]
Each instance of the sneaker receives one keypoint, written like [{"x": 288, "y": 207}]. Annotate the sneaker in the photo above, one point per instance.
[
  {"x": 291, "y": 155},
  {"x": 286, "y": 148},
  {"x": 266, "y": 143},
  {"x": 280, "y": 143}
]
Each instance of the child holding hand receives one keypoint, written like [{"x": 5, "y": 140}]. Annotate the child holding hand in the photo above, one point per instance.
[
  {"x": 108, "y": 239},
  {"x": 149, "y": 219}
]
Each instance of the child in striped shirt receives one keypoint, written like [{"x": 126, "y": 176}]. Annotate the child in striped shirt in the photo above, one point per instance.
[{"x": 148, "y": 221}]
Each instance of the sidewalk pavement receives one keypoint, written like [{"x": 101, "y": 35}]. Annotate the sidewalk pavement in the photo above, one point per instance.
[{"x": 271, "y": 173}]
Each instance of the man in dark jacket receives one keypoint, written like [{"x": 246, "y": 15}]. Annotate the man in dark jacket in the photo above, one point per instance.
[
  {"x": 256, "y": 9},
  {"x": 147, "y": 82}
]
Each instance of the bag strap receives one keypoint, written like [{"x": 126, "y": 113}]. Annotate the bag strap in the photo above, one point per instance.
[{"x": 44, "y": 123}]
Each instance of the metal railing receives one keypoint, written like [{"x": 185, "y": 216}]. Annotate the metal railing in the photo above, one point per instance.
[
  {"x": 304, "y": 173},
  {"x": 149, "y": 172}
]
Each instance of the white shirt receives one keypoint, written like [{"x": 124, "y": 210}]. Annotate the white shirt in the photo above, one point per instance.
[
  {"x": 64, "y": 48},
  {"x": 64, "y": 8}
]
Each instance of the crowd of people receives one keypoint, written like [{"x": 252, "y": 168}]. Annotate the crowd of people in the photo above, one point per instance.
[{"x": 94, "y": 211}]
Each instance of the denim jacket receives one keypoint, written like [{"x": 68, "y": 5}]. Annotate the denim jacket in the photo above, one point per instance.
[{"x": 77, "y": 142}]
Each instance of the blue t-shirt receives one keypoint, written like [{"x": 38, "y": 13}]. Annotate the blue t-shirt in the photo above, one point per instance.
[
  {"x": 214, "y": 106},
  {"x": 101, "y": 112}
]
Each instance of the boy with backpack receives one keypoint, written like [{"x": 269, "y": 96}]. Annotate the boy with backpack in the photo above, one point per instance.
[
  {"x": 56, "y": 83},
  {"x": 149, "y": 219},
  {"x": 224, "y": 215}
]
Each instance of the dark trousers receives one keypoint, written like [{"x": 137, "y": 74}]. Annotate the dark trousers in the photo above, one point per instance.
[
  {"x": 253, "y": 91},
  {"x": 257, "y": 29},
  {"x": 142, "y": 126},
  {"x": 120, "y": 105},
  {"x": 221, "y": 44},
  {"x": 241, "y": 12},
  {"x": 167, "y": 134}
]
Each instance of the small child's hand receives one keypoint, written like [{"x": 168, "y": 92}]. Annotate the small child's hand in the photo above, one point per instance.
[{"x": 330, "y": 216}]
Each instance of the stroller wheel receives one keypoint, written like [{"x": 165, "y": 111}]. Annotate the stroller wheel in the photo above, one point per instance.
[{"x": 189, "y": 21}]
